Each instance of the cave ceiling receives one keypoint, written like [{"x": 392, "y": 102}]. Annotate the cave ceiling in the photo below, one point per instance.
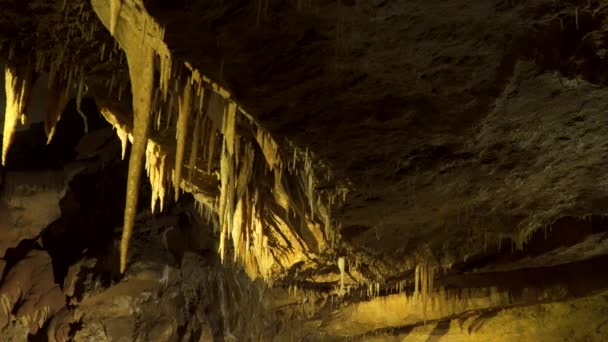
[{"x": 351, "y": 150}]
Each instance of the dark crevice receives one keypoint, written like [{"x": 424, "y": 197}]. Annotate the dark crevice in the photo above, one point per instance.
[
  {"x": 564, "y": 46},
  {"x": 578, "y": 279},
  {"x": 93, "y": 203},
  {"x": 564, "y": 232},
  {"x": 74, "y": 328},
  {"x": 42, "y": 333},
  {"x": 86, "y": 225},
  {"x": 16, "y": 254},
  {"x": 30, "y": 151},
  {"x": 439, "y": 331}
]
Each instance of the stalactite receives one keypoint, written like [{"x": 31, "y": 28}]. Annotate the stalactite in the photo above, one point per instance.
[
  {"x": 79, "y": 103},
  {"x": 170, "y": 109},
  {"x": 141, "y": 72},
  {"x": 194, "y": 147},
  {"x": 241, "y": 213},
  {"x": 156, "y": 170},
  {"x": 18, "y": 91},
  {"x": 165, "y": 74},
  {"x": 115, "y": 6},
  {"x": 259, "y": 234},
  {"x": 204, "y": 136},
  {"x": 341, "y": 266},
  {"x": 237, "y": 228},
  {"x": 292, "y": 166},
  {"x": 269, "y": 148},
  {"x": 225, "y": 174},
  {"x": 229, "y": 127},
  {"x": 310, "y": 187},
  {"x": 122, "y": 131},
  {"x": 417, "y": 281},
  {"x": 245, "y": 170},
  {"x": 57, "y": 100},
  {"x": 124, "y": 140},
  {"x": 211, "y": 146},
  {"x": 185, "y": 107},
  {"x": 248, "y": 222}
]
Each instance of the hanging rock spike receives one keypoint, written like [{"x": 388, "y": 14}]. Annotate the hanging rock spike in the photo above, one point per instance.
[
  {"x": 18, "y": 90},
  {"x": 342, "y": 267},
  {"x": 229, "y": 127},
  {"x": 115, "y": 6},
  {"x": 141, "y": 72},
  {"x": 194, "y": 146},
  {"x": 155, "y": 168},
  {"x": 79, "y": 103},
  {"x": 58, "y": 99},
  {"x": 185, "y": 107},
  {"x": 211, "y": 146}
]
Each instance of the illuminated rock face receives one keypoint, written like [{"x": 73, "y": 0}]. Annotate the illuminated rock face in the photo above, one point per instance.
[{"x": 369, "y": 166}]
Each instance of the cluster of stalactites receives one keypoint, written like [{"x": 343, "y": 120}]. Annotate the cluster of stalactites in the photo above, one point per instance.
[
  {"x": 60, "y": 87},
  {"x": 238, "y": 206},
  {"x": 319, "y": 203},
  {"x": 65, "y": 77},
  {"x": 423, "y": 282},
  {"x": 181, "y": 100},
  {"x": 18, "y": 86},
  {"x": 187, "y": 94}
]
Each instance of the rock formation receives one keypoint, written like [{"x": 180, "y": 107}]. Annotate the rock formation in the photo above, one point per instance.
[{"x": 303, "y": 170}]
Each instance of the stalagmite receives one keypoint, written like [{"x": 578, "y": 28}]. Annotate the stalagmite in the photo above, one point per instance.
[
  {"x": 18, "y": 90},
  {"x": 185, "y": 107},
  {"x": 141, "y": 72}
]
